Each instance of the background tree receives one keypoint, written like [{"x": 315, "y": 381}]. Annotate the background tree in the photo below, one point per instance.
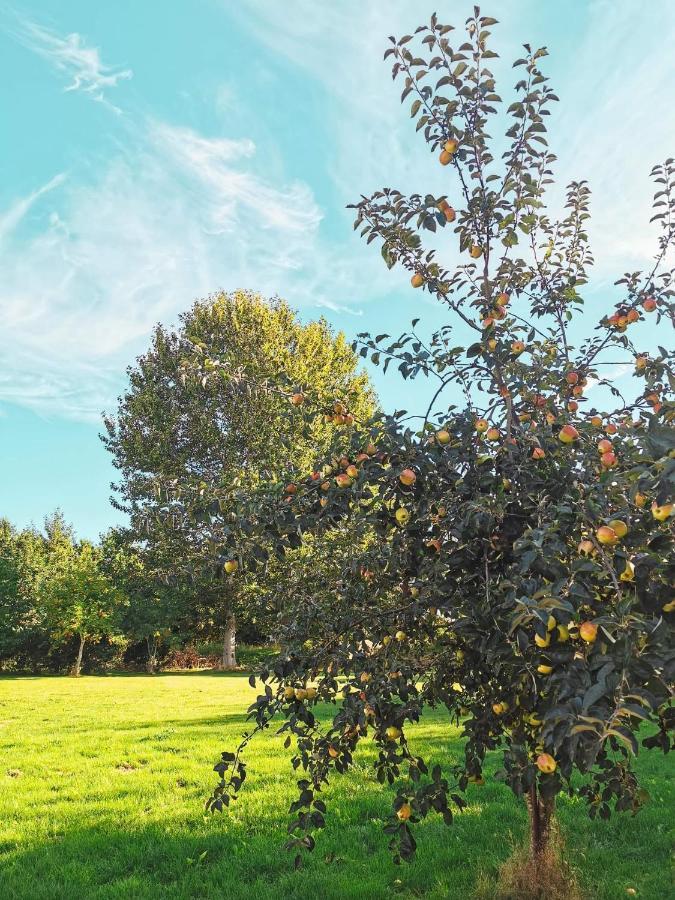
[
  {"x": 230, "y": 428},
  {"x": 77, "y": 597},
  {"x": 522, "y": 575},
  {"x": 22, "y": 633}
]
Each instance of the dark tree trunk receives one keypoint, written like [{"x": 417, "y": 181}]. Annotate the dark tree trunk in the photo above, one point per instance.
[
  {"x": 78, "y": 661},
  {"x": 541, "y": 811},
  {"x": 230, "y": 643}
]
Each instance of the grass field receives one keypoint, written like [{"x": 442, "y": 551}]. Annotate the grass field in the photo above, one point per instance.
[{"x": 102, "y": 784}]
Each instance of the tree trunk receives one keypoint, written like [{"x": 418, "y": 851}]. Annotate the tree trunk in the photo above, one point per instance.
[
  {"x": 78, "y": 661},
  {"x": 230, "y": 643},
  {"x": 541, "y": 811},
  {"x": 151, "y": 664}
]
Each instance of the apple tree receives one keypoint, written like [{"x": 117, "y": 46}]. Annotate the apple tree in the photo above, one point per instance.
[{"x": 523, "y": 570}]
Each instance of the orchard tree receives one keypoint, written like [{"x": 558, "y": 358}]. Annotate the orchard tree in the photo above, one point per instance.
[
  {"x": 230, "y": 427},
  {"x": 78, "y": 599},
  {"x": 523, "y": 570}
]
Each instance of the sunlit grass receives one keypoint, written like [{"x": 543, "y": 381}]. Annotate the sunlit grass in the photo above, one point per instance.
[{"x": 103, "y": 782}]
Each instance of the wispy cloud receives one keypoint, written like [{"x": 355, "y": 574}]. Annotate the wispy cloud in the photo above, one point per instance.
[
  {"x": 16, "y": 212},
  {"x": 72, "y": 57},
  {"x": 176, "y": 216}
]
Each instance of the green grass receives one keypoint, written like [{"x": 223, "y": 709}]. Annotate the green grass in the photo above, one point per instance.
[{"x": 103, "y": 780}]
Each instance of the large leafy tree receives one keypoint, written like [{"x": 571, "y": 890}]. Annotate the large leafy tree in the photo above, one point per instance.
[
  {"x": 522, "y": 575},
  {"x": 229, "y": 428}
]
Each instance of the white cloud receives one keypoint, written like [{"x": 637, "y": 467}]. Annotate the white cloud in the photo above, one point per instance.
[
  {"x": 71, "y": 56},
  {"x": 177, "y": 216}
]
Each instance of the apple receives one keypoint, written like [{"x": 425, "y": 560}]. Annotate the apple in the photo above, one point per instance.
[
  {"x": 492, "y": 434},
  {"x": 661, "y": 513},
  {"x": 450, "y": 214},
  {"x": 393, "y": 733},
  {"x": 400, "y": 636},
  {"x": 404, "y": 812},
  {"x": 608, "y": 460},
  {"x": 596, "y": 421},
  {"x": 517, "y": 347},
  {"x": 572, "y": 378},
  {"x": 231, "y": 566},
  {"x": 502, "y": 299},
  {"x": 343, "y": 480},
  {"x": 291, "y": 488},
  {"x": 611, "y": 428},
  {"x": 572, "y": 406},
  {"x": 451, "y": 145},
  {"x": 604, "y": 446},
  {"x": 639, "y": 499},
  {"x": 289, "y": 693},
  {"x": 620, "y": 527},
  {"x": 586, "y": 547},
  {"x": 606, "y": 535},
  {"x": 444, "y": 157},
  {"x": 481, "y": 425},
  {"x": 402, "y": 515},
  {"x": 633, "y": 315},
  {"x": 417, "y": 280},
  {"x": 407, "y": 477},
  {"x": 475, "y": 252},
  {"x": 300, "y": 694},
  {"x": 546, "y": 763},
  {"x": 352, "y": 471},
  {"x": 498, "y": 708},
  {"x": 298, "y": 398},
  {"x": 332, "y": 752},
  {"x": 443, "y": 436},
  {"x": 538, "y": 453},
  {"x": 588, "y": 632},
  {"x": 567, "y": 434},
  {"x": 649, "y": 305}
]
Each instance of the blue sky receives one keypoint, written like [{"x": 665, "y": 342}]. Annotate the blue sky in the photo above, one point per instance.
[{"x": 153, "y": 153}]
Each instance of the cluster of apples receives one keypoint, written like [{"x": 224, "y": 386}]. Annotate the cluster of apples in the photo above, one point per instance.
[
  {"x": 339, "y": 415},
  {"x": 575, "y": 384},
  {"x": 654, "y": 401},
  {"x": 608, "y": 458},
  {"x": 301, "y": 693},
  {"x": 623, "y": 317},
  {"x": 483, "y": 427},
  {"x": 498, "y": 311},
  {"x": 447, "y": 154}
]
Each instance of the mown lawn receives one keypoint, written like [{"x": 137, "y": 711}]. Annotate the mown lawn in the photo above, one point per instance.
[{"x": 102, "y": 784}]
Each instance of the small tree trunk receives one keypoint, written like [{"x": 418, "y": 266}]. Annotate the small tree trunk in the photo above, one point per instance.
[
  {"x": 541, "y": 811},
  {"x": 78, "y": 661},
  {"x": 230, "y": 643},
  {"x": 151, "y": 664}
]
